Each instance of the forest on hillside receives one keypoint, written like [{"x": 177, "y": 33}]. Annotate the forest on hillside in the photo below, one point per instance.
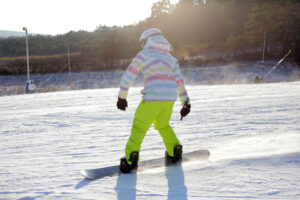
[{"x": 219, "y": 30}]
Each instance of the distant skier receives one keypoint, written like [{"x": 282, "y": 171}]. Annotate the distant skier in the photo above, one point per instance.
[
  {"x": 163, "y": 81},
  {"x": 257, "y": 79},
  {"x": 30, "y": 87}
]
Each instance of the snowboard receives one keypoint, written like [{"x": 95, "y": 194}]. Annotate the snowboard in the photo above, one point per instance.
[{"x": 99, "y": 173}]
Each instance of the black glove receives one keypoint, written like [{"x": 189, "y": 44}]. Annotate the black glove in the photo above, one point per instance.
[
  {"x": 185, "y": 110},
  {"x": 122, "y": 104}
]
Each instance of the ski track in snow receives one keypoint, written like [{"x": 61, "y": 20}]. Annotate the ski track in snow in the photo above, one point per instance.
[{"x": 252, "y": 132}]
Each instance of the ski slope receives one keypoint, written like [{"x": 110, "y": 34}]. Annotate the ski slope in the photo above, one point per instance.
[{"x": 252, "y": 132}]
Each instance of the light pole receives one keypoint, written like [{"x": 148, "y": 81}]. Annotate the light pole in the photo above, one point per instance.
[
  {"x": 27, "y": 54},
  {"x": 30, "y": 86},
  {"x": 264, "y": 49}
]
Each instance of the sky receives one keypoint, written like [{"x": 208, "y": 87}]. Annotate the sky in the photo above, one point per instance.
[{"x": 61, "y": 16}]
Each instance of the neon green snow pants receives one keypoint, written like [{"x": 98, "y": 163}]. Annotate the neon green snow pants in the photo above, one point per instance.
[{"x": 158, "y": 113}]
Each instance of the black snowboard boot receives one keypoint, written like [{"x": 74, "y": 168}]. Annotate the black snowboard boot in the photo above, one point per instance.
[
  {"x": 127, "y": 168},
  {"x": 177, "y": 156}
]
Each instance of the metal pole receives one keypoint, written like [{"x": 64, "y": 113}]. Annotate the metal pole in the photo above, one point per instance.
[
  {"x": 277, "y": 64},
  {"x": 27, "y": 54},
  {"x": 264, "y": 48},
  {"x": 69, "y": 62}
]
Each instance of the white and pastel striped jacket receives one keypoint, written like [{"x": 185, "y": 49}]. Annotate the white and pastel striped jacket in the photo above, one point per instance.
[{"x": 163, "y": 80}]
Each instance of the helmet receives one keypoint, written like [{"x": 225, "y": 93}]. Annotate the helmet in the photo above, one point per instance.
[{"x": 150, "y": 32}]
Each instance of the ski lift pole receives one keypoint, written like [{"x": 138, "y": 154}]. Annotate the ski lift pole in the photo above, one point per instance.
[
  {"x": 264, "y": 49},
  {"x": 277, "y": 64},
  {"x": 27, "y": 54},
  {"x": 69, "y": 62}
]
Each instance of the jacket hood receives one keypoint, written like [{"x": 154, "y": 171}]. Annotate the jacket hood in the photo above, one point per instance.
[{"x": 158, "y": 42}]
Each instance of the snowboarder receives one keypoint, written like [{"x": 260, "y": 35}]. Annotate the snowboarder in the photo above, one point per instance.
[{"x": 163, "y": 82}]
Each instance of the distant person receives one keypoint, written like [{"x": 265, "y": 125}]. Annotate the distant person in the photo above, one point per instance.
[
  {"x": 163, "y": 82},
  {"x": 257, "y": 79},
  {"x": 30, "y": 87}
]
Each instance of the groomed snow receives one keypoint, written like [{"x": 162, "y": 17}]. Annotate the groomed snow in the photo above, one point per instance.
[{"x": 252, "y": 132}]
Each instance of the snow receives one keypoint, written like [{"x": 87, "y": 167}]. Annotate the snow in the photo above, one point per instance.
[{"x": 251, "y": 130}]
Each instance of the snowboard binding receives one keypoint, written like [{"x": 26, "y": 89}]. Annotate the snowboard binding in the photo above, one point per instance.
[
  {"x": 177, "y": 156},
  {"x": 125, "y": 167}
]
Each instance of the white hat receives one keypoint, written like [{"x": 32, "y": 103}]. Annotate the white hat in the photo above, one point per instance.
[{"x": 150, "y": 32}]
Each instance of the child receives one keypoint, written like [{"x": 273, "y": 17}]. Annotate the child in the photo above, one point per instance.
[{"x": 163, "y": 81}]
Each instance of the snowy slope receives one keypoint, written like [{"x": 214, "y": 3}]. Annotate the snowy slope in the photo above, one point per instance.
[{"x": 252, "y": 131}]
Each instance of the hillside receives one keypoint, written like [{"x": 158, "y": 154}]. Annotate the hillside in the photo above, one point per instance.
[
  {"x": 6, "y": 34},
  {"x": 231, "y": 73}
]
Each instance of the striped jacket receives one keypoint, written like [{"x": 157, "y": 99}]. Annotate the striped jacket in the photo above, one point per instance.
[{"x": 163, "y": 80}]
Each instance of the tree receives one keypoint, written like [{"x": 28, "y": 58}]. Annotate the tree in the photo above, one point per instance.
[
  {"x": 160, "y": 9},
  {"x": 281, "y": 21}
]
